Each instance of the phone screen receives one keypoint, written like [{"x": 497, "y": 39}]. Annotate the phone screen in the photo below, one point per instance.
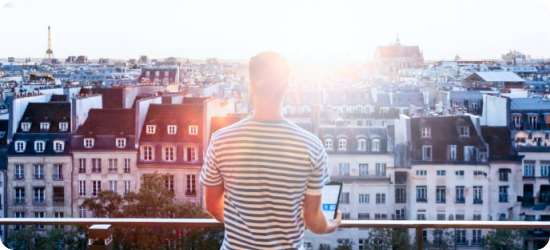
[{"x": 331, "y": 194}]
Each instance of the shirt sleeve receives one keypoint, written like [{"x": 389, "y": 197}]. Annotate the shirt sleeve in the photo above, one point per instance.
[
  {"x": 319, "y": 175},
  {"x": 210, "y": 173}
]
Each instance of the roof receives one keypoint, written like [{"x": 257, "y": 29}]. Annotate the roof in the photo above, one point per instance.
[
  {"x": 400, "y": 99},
  {"x": 53, "y": 112},
  {"x": 398, "y": 51},
  {"x": 47, "y": 138},
  {"x": 535, "y": 104},
  {"x": 353, "y": 131},
  {"x": 500, "y": 143},
  {"x": 466, "y": 95},
  {"x": 181, "y": 115},
  {"x": 3, "y": 142},
  {"x": 112, "y": 97},
  {"x": 498, "y": 76},
  {"x": 108, "y": 122},
  {"x": 58, "y": 98}
]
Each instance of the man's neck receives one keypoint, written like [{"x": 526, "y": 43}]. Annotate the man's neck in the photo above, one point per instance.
[{"x": 267, "y": 113}]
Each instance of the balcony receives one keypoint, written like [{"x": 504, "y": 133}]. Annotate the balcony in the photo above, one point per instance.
[
  {"x": 39, "y": 202},
  {"x": 19, "y": 201},
  {"x": 191, "y": 192},
  {"x": 361, "y": 178},
  {"x": 19, "y": 177},
  {"x": 423, "y": 200},
  {"x": 58, "y": 201},
  {"x": 172, "y": 222},
  {"x": 460, "y": 200},
  {"x": 478, "y": 201},
  {"x": 96, "y": 170},
  {"x": 527, "y": 201},
  {"x": 38, "y": 176},
  {"x": 57, "y": 177}
]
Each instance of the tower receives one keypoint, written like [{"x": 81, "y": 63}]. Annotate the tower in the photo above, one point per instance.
[
  {"x": 49, "y": 52},
  {"x": 397, "y": 42}
]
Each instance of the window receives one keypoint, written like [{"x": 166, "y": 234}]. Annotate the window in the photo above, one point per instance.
[
  {"x": 460, "y": 194},
  {"x": 440, "y": 194},
  {"x": 127, "y": 187},
  {"x": 465, "y": 131},
  {"x": 375, "y": 147},
  {"x": 25, "y": 126},
  {"x": 20, "y": 146},
  {"x": 452, "y": 152},
  {"x": 39, "y": 196},
  {"x": 479, "y": 173},
  {"x": 380, "y": 199},
  {"x": 421, "y": 216},
  {"x": 39, "y": 215},
  {"x": 364, "y": 198},
  {"x": 96, "y": 165},
  {"x": 346, "y": 216},
  {"x": 169, "y": 183},
  {"x": 193, "y": 130},
  {"x": 343, "y": 169},
  {"x": 516, "y": 118},
  {"x": 88, "y": 142},
  {"x": 342, "y": 144},
  {"x": 421, "y": 172},
  {"x": 58, "y": 215},
  {"x": 82, "y": 165},
  {"x": 328, "y": 144},
  {"x": 147, "y": 153},
  {"x": 362, "y": 145},
  {"x": 533, "y": 121},
  {"x": 82, "y": 188},
  {"x": 324, "y": 246},
  {"x": 45, "y": 126},
  {"x": 459, "y": 173},
  {"x": 96, "y": 188},
  {"x": 57, "y": 172},
  {"x": 127, "y": 165},
  {"x": 58, "y": 146},
  {"x": 19, "y": 172},
  {"x": 426, "y": 132},
  {"x": 421, "y": 194},
  {"x": 461, "y": 237},
  {"x": 477, "y": 217},
  {"x": 363, "y": 169},
  {"x": 400, "y": 195},
  {"x": 380, "y": 169},
  {"x": 400, "y": 214},
  {"x": 172, "y": 129},
  {"x": 503, "y": 174},
  {"x": 344, "y": 198},
  {"x": 19, "y": 215},
  {"x": 529, "y": 168},
  {"x": 459, "y": 217},
  {"x": 190, "y": 154},
  {"x": 63, "y": 126},
  {"x": 503, "y": 194},
  {"x": 59, "y": 196},
  {"x": 120, "y": 142},
  {"x": 441, "y": 172},
  {"x": 39, "y": 146},
  {"x": 427, "y": 153},
  {"x": 380, "y": 216},
  {"x": 38, "y": 172},
  {"x": 150, "y": 129},
  {"x": 478, "y": 194},
  {"x": 476, "y": 236},
  {"x": 19, "y": 195},
  {"x": 469, "y": 153},
  {"x": 191, "y": 182},
  {"x": 544, "y": 168},
  {"x": 82, "y": 212},
  {"x": 113, "y": 186},
  {"x": 169, "y": 153},
  {"x": 113, "y": 165},
  {"x": 363, "y": 216}
]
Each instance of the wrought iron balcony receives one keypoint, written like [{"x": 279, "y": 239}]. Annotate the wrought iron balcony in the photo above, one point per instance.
[
  {"x": 19, "y": 177},
  {"x": 39, "y": 176},
  {"x": 460, "y": 200},
  {"x": 478, "y": 201},
  {"x": 57, "y": 177}
]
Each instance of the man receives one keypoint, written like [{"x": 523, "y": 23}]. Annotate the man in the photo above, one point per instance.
[{"x": 263, "y": 175}]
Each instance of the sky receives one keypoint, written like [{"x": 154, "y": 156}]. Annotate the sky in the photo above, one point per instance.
[{"x": 301, "y": 30}]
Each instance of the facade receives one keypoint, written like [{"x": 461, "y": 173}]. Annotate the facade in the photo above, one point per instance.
[
  {"x": 39, "y": 164},
  {"x": 389, "y": 60}
]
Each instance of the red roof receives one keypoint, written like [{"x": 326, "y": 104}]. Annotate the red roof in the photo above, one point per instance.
[{"x": 398, "y": 51}]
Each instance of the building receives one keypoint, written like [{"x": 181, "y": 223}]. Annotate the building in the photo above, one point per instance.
[
  {"x": 388, "y": 60},
  {"x": 493, "y": 81},
  {"x": 160, "y": 75},
  {"x": 3, "y": 180}
]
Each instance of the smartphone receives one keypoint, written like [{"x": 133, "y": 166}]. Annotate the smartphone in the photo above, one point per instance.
[{"x": 331, "y": 199}]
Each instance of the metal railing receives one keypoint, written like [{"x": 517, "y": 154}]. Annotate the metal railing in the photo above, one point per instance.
[{"x": 419, "y": 225}]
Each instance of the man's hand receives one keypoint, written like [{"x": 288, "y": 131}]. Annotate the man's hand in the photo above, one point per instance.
[
  {"x": 315, "y": 219},
  {"x": 213, "y": 197},
  {"x": 333, "y": 224}
]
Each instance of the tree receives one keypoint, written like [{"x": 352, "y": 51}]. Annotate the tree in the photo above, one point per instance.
[
  {"x": 154, "y": 200},
  {"x": 509, "y": 239},
  {"x": 57, "y": 238},
  {"x": 443, "y": 239},
  {"x": 388, "y": 238}
]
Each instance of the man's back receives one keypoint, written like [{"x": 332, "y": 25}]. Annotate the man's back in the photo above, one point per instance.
[{"x": 266, "y": 168}]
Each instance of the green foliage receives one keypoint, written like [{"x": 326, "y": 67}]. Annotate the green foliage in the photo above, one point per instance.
[
  {"x": 57, "y": 238},
  {"x": 154, "y": 200},
  {"x": 388, "y": 238},
  {"x": 509, "y": 239},
  {"x": 443, "y": 239}
]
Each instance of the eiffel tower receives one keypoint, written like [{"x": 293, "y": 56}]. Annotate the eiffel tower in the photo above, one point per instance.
[{"x": 49, "y": 53}]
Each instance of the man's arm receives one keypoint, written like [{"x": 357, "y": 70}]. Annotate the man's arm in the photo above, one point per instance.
[
  {"x": 213, "y": 198},
  {"x": 315, "y": 219}
]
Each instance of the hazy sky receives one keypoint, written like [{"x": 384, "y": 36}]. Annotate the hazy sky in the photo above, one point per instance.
[{"x": 239, "y": 29}]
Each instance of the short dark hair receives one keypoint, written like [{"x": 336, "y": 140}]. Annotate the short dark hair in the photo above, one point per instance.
[{"x": 269, "y": 73}]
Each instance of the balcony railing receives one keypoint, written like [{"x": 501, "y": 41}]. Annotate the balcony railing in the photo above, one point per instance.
[
  {"x": 19, "y": 177},
  {"x": 478, "y": 201},
  {"x": 170, "y": 222},
  {"x": 39, "y": 202},
  {"x": 191, "y": 193},
  {"x": 39, "y": 176},
  {"x": 460, "y": 200},
  {"x": 57, "y": 177},
  {"x": 19, "y": 201},
  {"x": 58, "y": 201}
]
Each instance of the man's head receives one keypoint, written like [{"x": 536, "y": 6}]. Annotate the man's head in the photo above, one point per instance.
[{"x": 268, "y": 74}]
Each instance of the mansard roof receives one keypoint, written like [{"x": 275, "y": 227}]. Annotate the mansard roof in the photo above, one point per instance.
[
  {"x": 53, "y": 112},
  {"x": 181, "y": 115}
]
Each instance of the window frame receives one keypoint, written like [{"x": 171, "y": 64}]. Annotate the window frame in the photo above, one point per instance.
[
  {"x": 89, "y": 142},
  {"x": 150, "y": 129},
  {"x": 57, "y": 143},
  {"x": 193, "y": 130},
  {"x": 37, "y": 148},
  {"x": 20, "y": 146},
  {"x": 172, "y": 129},
  {"x": 342, "y": 144},
  {"x": 120, "y": 142}
]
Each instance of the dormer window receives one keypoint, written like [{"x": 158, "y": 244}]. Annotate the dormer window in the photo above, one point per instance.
[
  {"x": 533, "y": 121},
  {"x": 20, "y": 146},
  {"x": 26, "y": 126},
  {"x": 516, "y": 119},
  {"x": 465, "y": 131},
  {"x": 150, "y": 129},
  {"x": 362, "y": 145},
  {"x": 58, "y": 146},
  {"x": 39, "y": 146},
  {"x": 172, "y": 129},
  {"x": 328, "y": 144},
  {"x": 375, "y": 145},
  {"x": 426, "y": 132},
  {"x": 193, "y": 130},
  {"x": 384, "y": 111},
  {"x": 63, "y": 126},
  {"x": 120, "y": 142},
  {"x": 88, "y": 142},
  {"x": 427, "y": 153},
  {"x": 45, "y": 126},
  {"x": 342, "y": 144}
]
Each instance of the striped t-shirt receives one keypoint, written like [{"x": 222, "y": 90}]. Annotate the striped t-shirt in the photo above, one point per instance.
[{"x": 266, "y": 168}]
